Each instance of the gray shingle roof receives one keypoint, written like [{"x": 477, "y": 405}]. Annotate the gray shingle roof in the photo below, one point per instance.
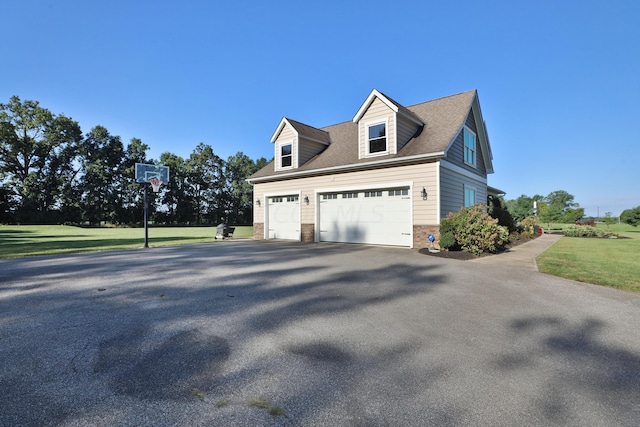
[
  {"x": 443, "y": 118},
  {"x": 309, "y": 131}
]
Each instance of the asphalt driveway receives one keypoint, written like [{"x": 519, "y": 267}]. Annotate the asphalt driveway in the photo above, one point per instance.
[{"x": 272, "y": 333}]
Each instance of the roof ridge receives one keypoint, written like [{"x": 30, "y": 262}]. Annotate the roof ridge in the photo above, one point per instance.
[{"x": 443, "y": 97}]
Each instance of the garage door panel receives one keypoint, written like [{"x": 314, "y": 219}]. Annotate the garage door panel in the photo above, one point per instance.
[
  {"x": 284, "y": 218},
  {"x": 383, "y": 219}
]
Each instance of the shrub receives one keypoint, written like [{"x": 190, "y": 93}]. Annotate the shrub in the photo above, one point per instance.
[
  {"x": 474, "y": 230},
  {"x": 447, "y": 240},
  {"x": 447, "y": 234},
  {"x": 527, "y": 225},
  {"x": 583, "y": 231},
  {"x": 500, "y": 212}
]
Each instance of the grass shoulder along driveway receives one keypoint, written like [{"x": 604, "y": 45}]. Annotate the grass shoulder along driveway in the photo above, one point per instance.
[
  {"x": 609, "y": 262},
  {"x": 26, "y": 240}
]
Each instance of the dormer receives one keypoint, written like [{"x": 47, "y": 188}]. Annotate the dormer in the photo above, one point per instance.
[
  {"x": 384, "y": 126},
  {"x": 296, "y": 143}
]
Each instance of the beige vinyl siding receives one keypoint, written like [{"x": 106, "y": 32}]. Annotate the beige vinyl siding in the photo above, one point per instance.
[
  {"x": 287, "y": 135},
  {"x": 452, "y": 190},
  {"x": 422, "y": 175},
  {"x": 378, "y": 111},
  {"x": 406, "y": 130},
  {"x": 307, "y": 149}
]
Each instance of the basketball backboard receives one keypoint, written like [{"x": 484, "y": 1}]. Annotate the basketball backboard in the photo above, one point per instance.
[{"x": 145, "y": 172}]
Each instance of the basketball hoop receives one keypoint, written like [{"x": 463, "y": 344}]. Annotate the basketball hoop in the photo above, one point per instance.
[{"x": 155, "y": 183}]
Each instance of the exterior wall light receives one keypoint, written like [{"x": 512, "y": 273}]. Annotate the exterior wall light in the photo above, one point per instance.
[
  {"x": 306, "y": 199},
  {"x": 258, "y": 202},
  {"x": 424, "y": 193}
]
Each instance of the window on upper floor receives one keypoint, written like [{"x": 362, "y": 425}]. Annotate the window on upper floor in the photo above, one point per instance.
[
  {"x": 286, "y": 156},
  {"x": 469, "y": 196},
  {"x": 469, "y": 147},
  {"x": 377, "y": 138}
]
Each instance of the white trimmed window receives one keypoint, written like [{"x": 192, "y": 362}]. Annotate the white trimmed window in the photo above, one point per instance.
[
  {"x": 377, "y": 138},
  {"x": 469, "y": 147},
  {"x": 286, "y": 155},
  {"x": 469, "y": 196}
]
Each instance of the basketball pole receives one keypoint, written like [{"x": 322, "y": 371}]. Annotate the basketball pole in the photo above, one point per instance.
[{"x": 146, "y": 218}]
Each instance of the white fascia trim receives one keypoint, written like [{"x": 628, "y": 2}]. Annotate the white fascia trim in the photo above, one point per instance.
[
  {"x": 351, "y": 167},
  {"x": 282, "y": 124},
  {"x": 438, "y": 201},
  {"x": 487, "y": 156},
  {"x": 374, "y": 94},
  {"x": 462, "y": 171}
]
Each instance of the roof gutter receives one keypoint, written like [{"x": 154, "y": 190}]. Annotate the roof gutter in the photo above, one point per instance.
[{"x": 349, "y": 168}]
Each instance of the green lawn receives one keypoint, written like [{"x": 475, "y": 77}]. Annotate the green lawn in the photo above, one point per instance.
[
  {"x": 608, "y": 262},
  {"x": 24, "y": 240}
]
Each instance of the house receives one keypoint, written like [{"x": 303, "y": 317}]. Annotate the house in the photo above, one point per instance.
[{"x": 385, "y": 177}]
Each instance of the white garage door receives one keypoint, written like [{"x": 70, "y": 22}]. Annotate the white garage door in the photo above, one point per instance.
[
  {"x": 379, "y": 217},
  {"x": 284, "y": 217}
]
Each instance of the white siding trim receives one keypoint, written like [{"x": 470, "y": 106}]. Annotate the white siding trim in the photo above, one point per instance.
[
  {"x": 438, "y": 201},
  {"x": 462, "y": 171},
  {"x": 365, "y": 106},
  {"x": 281, "y": 126},
  {"x": 352, "y": 167}
]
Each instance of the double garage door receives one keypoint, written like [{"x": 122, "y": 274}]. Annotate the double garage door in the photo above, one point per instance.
[{"x": 376, "y": 216}]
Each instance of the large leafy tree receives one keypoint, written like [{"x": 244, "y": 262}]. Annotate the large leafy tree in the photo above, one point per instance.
[
  {"x": 237, "y": 192},
  {"x": 177, "y": 195},
  {"x": 37, "y": 150},
  {"x": 102, "y": 158},
  {"x": 130, "y": 209},
  {"x": 204, "y": 170},
  {"x": 631, "y": 216}
]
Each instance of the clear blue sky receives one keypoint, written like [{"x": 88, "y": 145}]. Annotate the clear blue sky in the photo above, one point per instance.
[{"x": 559, "y": 81}]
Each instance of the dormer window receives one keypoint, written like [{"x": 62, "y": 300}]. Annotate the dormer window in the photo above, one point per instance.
[
  {"x": 286, "y": 155},
  {"x": 377, "y": 134}
]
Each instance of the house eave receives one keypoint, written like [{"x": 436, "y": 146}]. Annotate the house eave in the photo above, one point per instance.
[{"x": 349, "y": 168}]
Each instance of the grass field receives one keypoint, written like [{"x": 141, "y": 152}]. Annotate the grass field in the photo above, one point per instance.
[
  {"x": 608, "y": 262},
  {"x": 25, "y": 240}
]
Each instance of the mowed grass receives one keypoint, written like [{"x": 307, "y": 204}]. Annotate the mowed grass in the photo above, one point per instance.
[
  {"x": 25, "y": 240},
  {"x": 608, "y": 262}
]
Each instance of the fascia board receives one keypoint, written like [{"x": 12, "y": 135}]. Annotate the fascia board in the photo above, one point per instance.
[
  {"x": 482, "y": 131},
  {"x": 281, "y": 126},
  {"x": 347, "y": 168},
  {"x": 374, "y": 94}
]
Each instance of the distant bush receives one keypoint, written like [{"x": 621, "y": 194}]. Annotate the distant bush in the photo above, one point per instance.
[
  {"x": 474, "y": 230},
  {"x": 527, "y": 226},
  {"x": 583, "y": 231}
]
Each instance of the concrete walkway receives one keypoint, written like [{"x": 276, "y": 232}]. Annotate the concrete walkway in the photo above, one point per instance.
[{"x": 522, "y": 256}]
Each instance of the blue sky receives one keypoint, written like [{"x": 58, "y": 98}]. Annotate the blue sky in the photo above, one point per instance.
[{"x": 559, "y": 81}]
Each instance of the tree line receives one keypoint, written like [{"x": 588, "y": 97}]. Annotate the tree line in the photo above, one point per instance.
[{"x": 52, "y": 173}]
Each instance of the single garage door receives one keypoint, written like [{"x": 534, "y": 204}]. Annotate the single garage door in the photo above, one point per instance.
[
  {"x": 284, "y": 217},
  {"x": 379, "y": 217}
]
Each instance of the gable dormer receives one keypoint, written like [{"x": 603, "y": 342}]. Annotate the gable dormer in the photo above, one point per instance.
[
  {"x": 384, "y": 126},
  {"x": 296, "y": 143}
]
